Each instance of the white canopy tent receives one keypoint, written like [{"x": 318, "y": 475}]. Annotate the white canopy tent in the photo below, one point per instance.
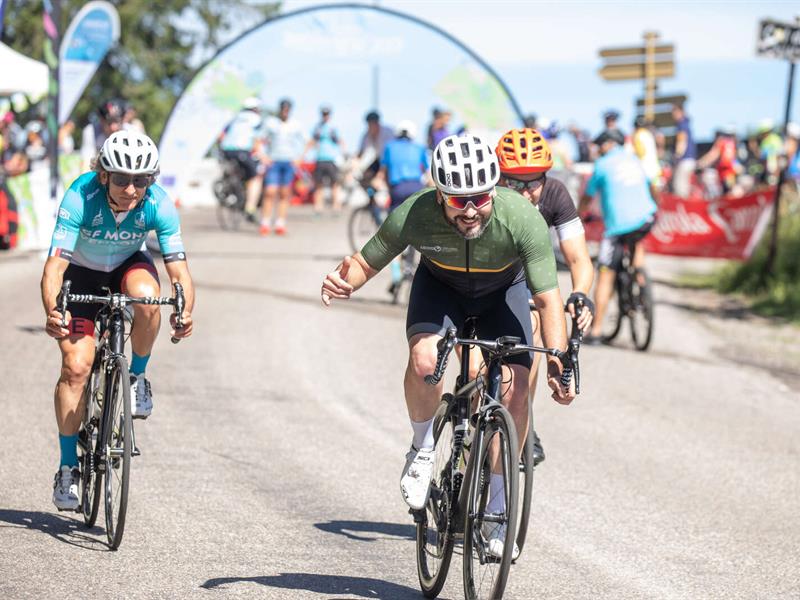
[{"x": 18, "y": 73}]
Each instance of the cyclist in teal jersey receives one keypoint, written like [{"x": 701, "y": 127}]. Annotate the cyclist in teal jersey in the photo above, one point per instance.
[
  {"x": 483, "y": 248},
  {"x": 101, "y": 226}
]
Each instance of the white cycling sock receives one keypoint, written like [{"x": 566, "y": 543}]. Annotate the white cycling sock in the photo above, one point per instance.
[
  {"x": 423, "y": 434},
  {"x": 497, "y": 495}
]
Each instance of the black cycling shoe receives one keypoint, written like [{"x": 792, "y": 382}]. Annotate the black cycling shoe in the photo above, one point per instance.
[
  {"x": 538, "y": 451},
  {"x": 593, "y": 340}
]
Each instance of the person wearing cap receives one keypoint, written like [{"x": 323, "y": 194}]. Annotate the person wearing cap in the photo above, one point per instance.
[
  {"x": 374, "y": 140},
  {"x": 240, "y": 142},
  {"x": 284, "y": 142},
  {"x": 722, "y": 155},
  {"x": 685, "y": 155},
  {"x": 610, "y": 120},
  {"x": 403, "y": 165},
  {"x": 329, "y": 148},
  {"x": 628, "y": 210},
  {"x": 437, "y": 130}
]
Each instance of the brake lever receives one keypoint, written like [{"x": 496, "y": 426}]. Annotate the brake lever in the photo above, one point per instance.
[
  {"x": 62, "y": 300},
  {"x": 180, "y": 303}
]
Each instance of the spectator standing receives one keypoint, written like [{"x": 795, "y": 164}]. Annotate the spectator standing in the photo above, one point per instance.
[
  {"x": 438, "y": 129},
  {"x": 372, "y": 144},
  {"x": 722, "y": 156},
  {"x": 329, "y": 148},
  {"x": 644, "y": 146},
  {"x": 770, "y": 148},
  {"x": 685, "y": 156},
  {"x": 284, "y": 144},
  {"x": 240, "y": 142}
]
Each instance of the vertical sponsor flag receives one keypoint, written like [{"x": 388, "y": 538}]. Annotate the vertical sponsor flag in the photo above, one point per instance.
[
  {"x": 2, "y": 15},
  {"x": 50, "y": 19},
  {"x": 86, "y": 42}
]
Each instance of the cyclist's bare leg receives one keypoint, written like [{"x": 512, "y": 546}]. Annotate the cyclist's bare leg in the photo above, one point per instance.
[
  {"x": 146, "y": 319},
  {"x": 515, "y": 399},
  {"x": 269, "y": 200},
  {"x": 251, "y": 194},
  {"x": 77, "y": 355},
  {"x": 602, "y": 295},
  {"x": 638, "y": 259},
  {"x": 319, "y": 199},
  {"x": 336, "y": 197},
  {"x": 422, "y": 399},
  {"x": 283, "y": 204}
]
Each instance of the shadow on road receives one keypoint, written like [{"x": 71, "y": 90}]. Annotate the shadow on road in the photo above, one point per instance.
[
  {"x": 336, "y": 585},
  {"x": 333, "y": 259},
  {"x": 368, "y": 531},
  {"x": 64, "y": 529}
]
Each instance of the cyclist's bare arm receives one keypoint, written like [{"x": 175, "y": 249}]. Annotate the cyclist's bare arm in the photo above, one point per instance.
[
  {"x": 554, "y": 334},
  {"x": 351, "y": 274},
  {"x": 52, "y": 278},
  {"x": 178, "y": 272},
  {"x": 581, "y": 270}
]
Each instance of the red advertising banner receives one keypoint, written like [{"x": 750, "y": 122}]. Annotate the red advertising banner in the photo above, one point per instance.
[{"x": 722, "y": 228}]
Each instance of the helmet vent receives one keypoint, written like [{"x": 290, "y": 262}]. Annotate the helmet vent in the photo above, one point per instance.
[
  {"x": 468, "y": 175},
  {"x": 479, "y": 155},
  {"x": 456, "y": 180},
  {"x": 465, "y": 150},
  {"x": 453, "y": 159},
  {"x": 523, "y": 143},
  {"x": 481, "y": 176}
]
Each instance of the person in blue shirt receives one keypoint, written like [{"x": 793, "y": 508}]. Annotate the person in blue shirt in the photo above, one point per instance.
[
  {"x": 685, "y": 156},
  {"x": 329, "y": 147},
  {"x": 102, "y": 224},
  {"x": 240, "y": 142},
  {"x": 628, "y": 209}
]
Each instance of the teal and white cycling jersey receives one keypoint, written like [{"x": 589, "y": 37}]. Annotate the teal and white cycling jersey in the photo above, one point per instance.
[{"x": 88, "y": 235}]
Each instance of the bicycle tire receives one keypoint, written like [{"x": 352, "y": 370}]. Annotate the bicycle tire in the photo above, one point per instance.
[
  {"x": 230, "y": 210},
  {"x": 614, "y": 319},
  {"x": 642, "y": 311},
  {"x": 433, "y": 559},
  {"x": 361, "y": 226},
  {"x": 117, "y": 445},
  {"x": 526, "y": 474},
  {"x": 490, "y": 586},
  {"x": 91, "y": 478}
]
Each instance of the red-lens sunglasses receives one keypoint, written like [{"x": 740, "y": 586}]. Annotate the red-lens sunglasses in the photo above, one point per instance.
[{"x": 461, "y": 202}]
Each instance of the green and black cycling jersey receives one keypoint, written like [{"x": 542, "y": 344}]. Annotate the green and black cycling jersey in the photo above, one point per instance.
[{"x": 516, "y": 241}]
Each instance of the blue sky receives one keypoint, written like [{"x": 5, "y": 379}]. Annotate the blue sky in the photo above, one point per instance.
[{"x": 547, "y": 53}]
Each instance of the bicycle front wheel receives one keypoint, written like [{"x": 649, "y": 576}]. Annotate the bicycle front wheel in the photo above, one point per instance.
[
  {"x": 641, "y": 314},
  {"x": 117, "y": 448},
  {"x": 490, "y": 523},
  {"x": 434, "y": 532},
  {"x": 361, "y": 227},
  {"x": 615, "y": 313}
]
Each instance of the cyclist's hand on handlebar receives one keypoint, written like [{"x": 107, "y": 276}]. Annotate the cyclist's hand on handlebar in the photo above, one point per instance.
[
  {"x": 586, "y": 313},
  {"x": 335, "y": 284},
  {"x": 560, "y": 394},
  {"x": 53, "y": 324},
  {"x": 186, "y": 328}
]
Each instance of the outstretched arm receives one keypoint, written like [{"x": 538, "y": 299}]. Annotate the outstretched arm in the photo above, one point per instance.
[{"x": 352, "y": 273}]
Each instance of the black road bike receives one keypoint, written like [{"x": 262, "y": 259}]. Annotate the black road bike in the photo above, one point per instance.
[
  {"x": 634, "y": 300},
  {"x": 106, "y": 440},
  {"x": 468, "y": 447},
  {"x": 364, "y": 221}
]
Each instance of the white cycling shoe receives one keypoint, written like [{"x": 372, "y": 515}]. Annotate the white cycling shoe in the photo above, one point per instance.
[
  {"x": 65, "y": 488},
  {"x": 495, "y": 535},
  {"x": 415, "y": 482},
  {"x": 141, "y": 397}
]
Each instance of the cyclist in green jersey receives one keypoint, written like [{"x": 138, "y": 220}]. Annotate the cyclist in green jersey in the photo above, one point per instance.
[{"x": 482, "y": 249}]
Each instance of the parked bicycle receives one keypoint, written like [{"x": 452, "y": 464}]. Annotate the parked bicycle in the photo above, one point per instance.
[
  {"x": 106, "y": 440},
  {"x": 634, "y": 300},
  {"x": 468, "y": 448}
]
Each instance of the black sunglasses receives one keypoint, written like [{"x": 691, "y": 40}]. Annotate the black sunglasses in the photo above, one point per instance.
[{"x": 123, "y": 180}]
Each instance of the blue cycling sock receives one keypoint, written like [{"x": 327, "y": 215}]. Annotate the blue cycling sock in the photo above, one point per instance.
[
  {"x": 69, "y": 450},
  {"x": 138, "y": 363}
]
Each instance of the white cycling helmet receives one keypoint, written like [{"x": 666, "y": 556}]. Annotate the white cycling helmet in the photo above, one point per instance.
[
  {"x": 129, "y": 151},
  {"x": 463, "y": 165},
  {"x": 406, "y": 127},
  {"x": 251, "y": 103}
]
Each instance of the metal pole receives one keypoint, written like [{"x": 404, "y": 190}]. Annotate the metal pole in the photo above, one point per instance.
[
  {"x": 773, "y": 243},
  {"x": 375, "y": 86},
  {"x": 650, "y": 38},
  {"x": 52, "y": 42}
]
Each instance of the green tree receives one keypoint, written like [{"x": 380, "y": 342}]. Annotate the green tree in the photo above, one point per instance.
[{"x": 160, "y": 47}]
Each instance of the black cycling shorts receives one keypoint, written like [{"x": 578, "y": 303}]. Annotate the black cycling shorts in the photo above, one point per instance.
[
  {"x": 326, "y": 173},
  {"x": 247, "y": 163},
  {"x": 89, "y": 281},
  {"x": 433, "y": 307},
  {"x": 613, "y": 248}
]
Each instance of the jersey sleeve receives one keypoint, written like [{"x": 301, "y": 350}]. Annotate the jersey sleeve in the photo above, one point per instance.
[
  {"x": 68, "y": 223},
  {"x": 390, "y": 239},
  {"x": 168, "y": 230},
  {"x": 565, "y": 218},
  {"x": 535, "y": 249}
]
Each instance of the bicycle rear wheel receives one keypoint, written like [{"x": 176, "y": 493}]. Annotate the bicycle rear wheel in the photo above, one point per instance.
[
  {"x": 525, "y": 482},
  {"x": 117, "y": 447},
  {"x": 361, "y": 227},
  {"x": 641, "y": 314},
  {"x": 485, "y": 574},
  {"x": 615, "y": 314},
  {"x": 230, "y": 208},
  {"x": 434, "y": 532}
]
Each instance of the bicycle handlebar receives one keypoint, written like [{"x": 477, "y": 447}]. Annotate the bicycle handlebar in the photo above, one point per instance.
[
  {"x": 120, "y": 301},
  {"x": 508, "y": 345}
]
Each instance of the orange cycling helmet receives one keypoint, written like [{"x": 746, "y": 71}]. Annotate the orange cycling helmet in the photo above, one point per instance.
[{"x": 523, "y": 151}]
